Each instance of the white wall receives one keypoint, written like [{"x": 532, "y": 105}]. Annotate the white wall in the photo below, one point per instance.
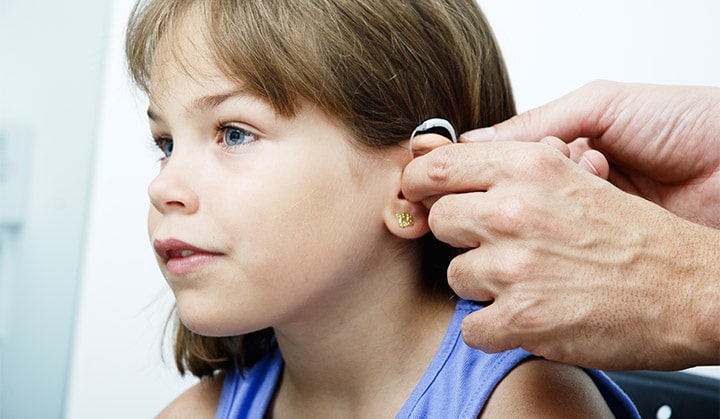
[
  {"x": 551, "y": 47},
  {"x": 554, "y": 46},
  {"x": 51, "y": 68},
  {"x": 117, "y": 370}
]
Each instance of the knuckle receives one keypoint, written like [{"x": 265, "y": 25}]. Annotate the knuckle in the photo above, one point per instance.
[
  {"x": 459, "y": 275},
  {"x": 543, "y": 159},
  {"x": 608, "y": 99},
  {"x": 535, "y": 160},
  {"x": 519, "y": 122},
  {"x": 467, "y": 276},
  {"x": 443, "y": 213},
  {"x": 526, "y": 123},
  {"x": 598, "y": 86},
  {"x": 518, "y": 267},
  {"x": 511, "y": 268},
  {"x": 453, "y": 219},
  {"x": 556, "y": 145},
  {"x": 440, "y": 169},
  {"x": 534, "y": 118},
  {"x": 593, "y": 86},
  {"x": 512, "y": 214},
  {"x": 442, "y": 208}
]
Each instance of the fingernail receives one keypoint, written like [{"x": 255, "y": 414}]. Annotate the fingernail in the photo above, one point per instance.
[
  {"x": 480, "y": 135},
  {"x": 590, "y": 167}
]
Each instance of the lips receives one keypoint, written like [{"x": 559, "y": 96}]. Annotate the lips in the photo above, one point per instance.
[
  {"x": 182, "y": 258},
  {"x": 180, "y": 253}
]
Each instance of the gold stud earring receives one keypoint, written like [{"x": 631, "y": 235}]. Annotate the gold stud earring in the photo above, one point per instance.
[{"x": 405, "y": 219}]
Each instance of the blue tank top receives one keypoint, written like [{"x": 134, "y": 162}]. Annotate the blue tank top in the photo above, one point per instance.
[{"x": 457, "y": 383}]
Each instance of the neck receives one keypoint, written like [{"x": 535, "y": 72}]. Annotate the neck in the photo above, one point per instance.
[{"x": 341, "y": 358}]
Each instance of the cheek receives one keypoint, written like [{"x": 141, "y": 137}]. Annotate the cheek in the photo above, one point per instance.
[{"x": 300, "y": 204}]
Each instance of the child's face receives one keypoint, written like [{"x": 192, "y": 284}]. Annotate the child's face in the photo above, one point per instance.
[{"x": 259, "y": 220}]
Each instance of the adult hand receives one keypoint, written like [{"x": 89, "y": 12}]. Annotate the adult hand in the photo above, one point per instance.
[
  {"x": 580, "y": 271},
  {"x": 663, "y": 142}
]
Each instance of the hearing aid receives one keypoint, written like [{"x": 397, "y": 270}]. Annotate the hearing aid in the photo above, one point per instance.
[{"x": 433, "y": 126}]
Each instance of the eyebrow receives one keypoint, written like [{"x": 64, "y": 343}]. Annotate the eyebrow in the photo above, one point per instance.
[
  {"x": 213, "y": 101},
  {"x": 204, "y": 103}
]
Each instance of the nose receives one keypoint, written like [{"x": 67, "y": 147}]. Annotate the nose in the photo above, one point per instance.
[{"x": 171, "y": 190}]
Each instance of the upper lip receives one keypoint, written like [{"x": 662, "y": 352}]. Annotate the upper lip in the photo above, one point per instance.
[{"x": 174, "y": 248}]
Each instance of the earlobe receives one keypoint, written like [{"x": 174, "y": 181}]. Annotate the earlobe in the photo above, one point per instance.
[
  {"x": 404, "y": 218},
  {"x": 407, "y": 220}
]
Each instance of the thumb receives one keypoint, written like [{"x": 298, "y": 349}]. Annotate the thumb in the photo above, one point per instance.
[{"x": 582, "y": 113}]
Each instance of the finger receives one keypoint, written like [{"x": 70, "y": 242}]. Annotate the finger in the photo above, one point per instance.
[
  {"x": 468, "y": 275},
  {"x": 420, "y": 146},
  {"x": 493, "y": 270},
  {"x": 458, "y": 219},
  {"x": 430, "y": 201},
  {"x": 580, "y": 152},
  {"x": 582, "y": 113},
  {"x": 578, "y": 147},
  {"x": 485, "y": 329},
  {"x": 557, "y": 144},
  {"x": 425, "y": 143},
  {"x": 595, "y": 162},
  {"x": 470, "y": 167},
  {"x": 455, "y": 168}
]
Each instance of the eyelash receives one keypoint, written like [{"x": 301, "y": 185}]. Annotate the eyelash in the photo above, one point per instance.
[
  {"x": 161, "y": 141},
  {"x": 158, "y": 143},
  {"x": 224, "y": 127}
]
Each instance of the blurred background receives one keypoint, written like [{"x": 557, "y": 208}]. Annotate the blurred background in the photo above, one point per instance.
[{"x": 82, "y": 304}]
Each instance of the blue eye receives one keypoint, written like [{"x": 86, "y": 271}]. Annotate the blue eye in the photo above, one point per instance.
[
  {"x": 233, "y": 136},
  {"x": 165, "y": 145}
]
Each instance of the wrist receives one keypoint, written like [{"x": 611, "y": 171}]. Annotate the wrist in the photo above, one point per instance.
[
  {"x": 708, "y": 297},
  {"x": 694, "y": 336}
]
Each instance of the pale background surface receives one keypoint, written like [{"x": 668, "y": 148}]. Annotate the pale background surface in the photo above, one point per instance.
[{"x": 551, "y": 48}]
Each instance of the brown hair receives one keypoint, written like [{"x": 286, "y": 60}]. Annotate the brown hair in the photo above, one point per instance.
[{"x": 380, "y": 68}]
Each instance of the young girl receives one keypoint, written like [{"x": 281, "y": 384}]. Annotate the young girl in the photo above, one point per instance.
[{"x": 307, "y": 285}]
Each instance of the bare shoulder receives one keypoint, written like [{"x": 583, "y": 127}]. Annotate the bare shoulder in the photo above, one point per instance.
[
  {"x": 199, "y": 401},
  {"x": 541, "y": 388}
]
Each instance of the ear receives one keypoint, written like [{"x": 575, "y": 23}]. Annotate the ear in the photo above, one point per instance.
[{"x": 406, "y": 219}]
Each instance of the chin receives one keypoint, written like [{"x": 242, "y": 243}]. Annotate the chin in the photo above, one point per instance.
[{"x": 213, "y": 323}]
